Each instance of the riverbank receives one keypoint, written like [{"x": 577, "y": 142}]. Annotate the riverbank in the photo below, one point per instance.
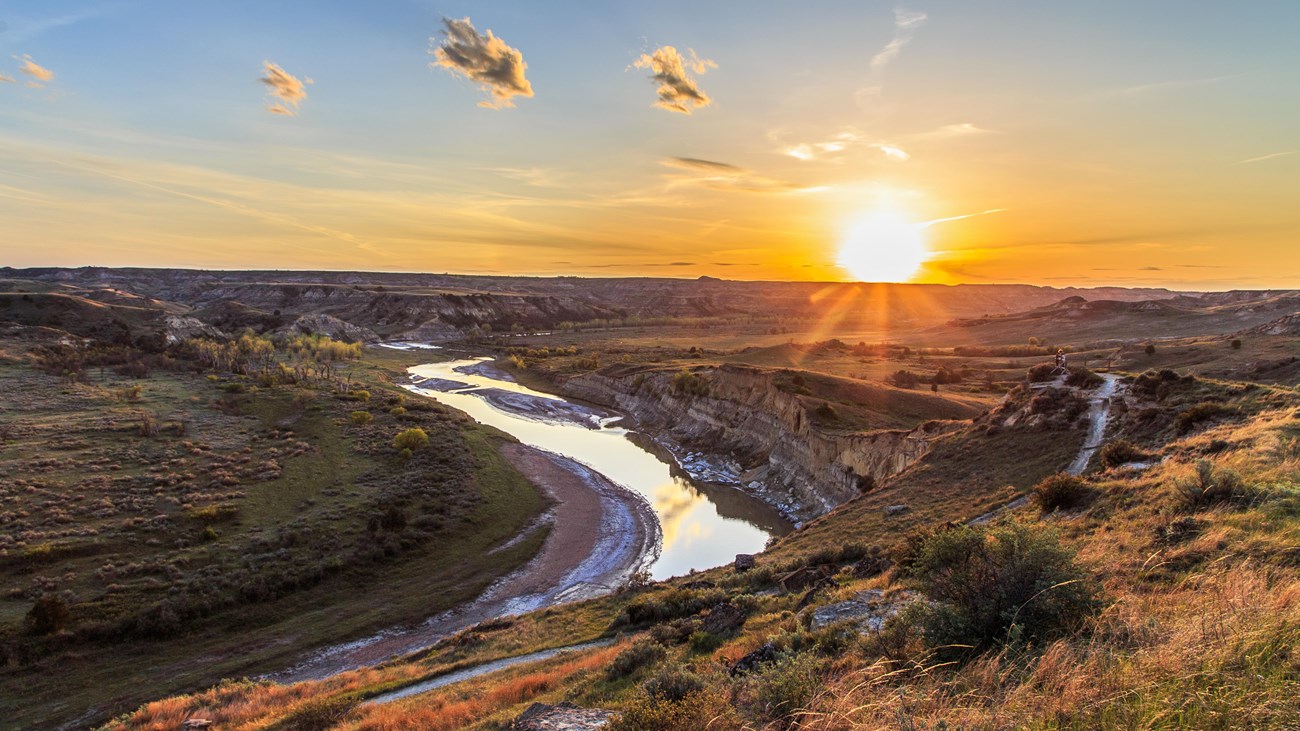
[{"x": 599, "y": 535}]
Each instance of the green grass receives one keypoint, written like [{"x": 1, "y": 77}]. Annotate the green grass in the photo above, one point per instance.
[{"x": 323, "y": 496}]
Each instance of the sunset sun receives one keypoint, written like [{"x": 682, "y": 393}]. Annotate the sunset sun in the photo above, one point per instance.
[{"x": 883, "y": 246}]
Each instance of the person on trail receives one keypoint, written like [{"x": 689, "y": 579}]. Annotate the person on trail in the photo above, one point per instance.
[{"x": 1060, "y": 358}]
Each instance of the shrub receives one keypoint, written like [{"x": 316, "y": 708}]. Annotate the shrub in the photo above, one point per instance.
[
  {"x": 673, "y": 684},
  {"x": 666, "y": 605},
  {"x": 1119, "y": 452},
  {"x": 50, "y": 614},
  {"x": 1041, "y": 372},
  {"x": 1190, "y": 417},
  {"x": 319, "y": 714},
  {"x": 695, "y": 712},
  {"x": 1083, "y": 378},
  {"x": 1004, "y": 583},
  {"x": 1210, "y": 485},
  {"x": 1236, "y": 343},
  {"x": 1059, "y": 491},
  {"x": 411, "y": 439},
  {"x": 827, "y": 412},
  {"x": 361, "y": 418},
  {"x": 148, "y": 424},
  {"x": 690, "y": 384},
  {"x": 701, "y": 641},
  {"x": 904, "y": 379},
  {"x": 640, "y": 655},
  {"x": 782, "y": 689},
  {"x": 397, "y": 411},
  {"x": 1149, "y": 349}
]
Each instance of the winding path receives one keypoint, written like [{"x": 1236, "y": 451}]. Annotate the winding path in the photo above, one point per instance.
[{"x": 1099, "y": 403}]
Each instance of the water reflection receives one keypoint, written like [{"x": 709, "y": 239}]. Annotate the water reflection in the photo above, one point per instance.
[{"x": 703, "y": 526}]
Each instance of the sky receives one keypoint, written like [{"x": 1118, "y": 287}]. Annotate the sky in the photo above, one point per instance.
[{"x": 1084, "y": 144}]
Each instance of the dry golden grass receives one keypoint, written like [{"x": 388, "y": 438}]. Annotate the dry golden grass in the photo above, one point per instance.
[{"x": 463, "y": 704}]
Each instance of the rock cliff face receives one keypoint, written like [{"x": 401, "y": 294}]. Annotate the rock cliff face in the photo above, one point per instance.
[{"x": 760, "y": 435}]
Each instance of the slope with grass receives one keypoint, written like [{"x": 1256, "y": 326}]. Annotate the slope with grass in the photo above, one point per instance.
[
  {"x": 1164, "y": 597},
  {"x": 165, "y": 526}
]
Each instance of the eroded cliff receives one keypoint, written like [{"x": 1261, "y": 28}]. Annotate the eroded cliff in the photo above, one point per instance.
[{"x": 756, "y": 435}]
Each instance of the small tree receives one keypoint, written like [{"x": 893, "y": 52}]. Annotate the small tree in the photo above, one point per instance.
[
  {"x": 1150, "y": 349},
  {"x": 50, "y": 614},
  {"x": 410, "y": 440},
  {"x": 1236, "y": 343}
]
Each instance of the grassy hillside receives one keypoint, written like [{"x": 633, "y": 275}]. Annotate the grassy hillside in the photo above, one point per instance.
[
  {"x": 1189, "y": 618},
  {"x": 176, "y": 524}
]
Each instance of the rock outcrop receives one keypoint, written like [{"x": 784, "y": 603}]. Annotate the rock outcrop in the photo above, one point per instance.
[
  {"x": 561, "y": 717},
  {"x": 756, "y": 436}
]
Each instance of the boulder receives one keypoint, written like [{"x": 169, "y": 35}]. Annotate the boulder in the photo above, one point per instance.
[
  {"x": 561, "y": 717},
  {"x": 801, "y": 578},
  {"x": 751, "y": 662},
  {"x": 897, "y": 509},
  {"x": 870, "y": 610},
  {"x": 744, "y": 562},
  {"x": 723, "y": 618}
]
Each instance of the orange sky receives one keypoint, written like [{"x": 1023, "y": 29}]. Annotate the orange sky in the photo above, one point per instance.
[{"x": 1099, "y": 145}]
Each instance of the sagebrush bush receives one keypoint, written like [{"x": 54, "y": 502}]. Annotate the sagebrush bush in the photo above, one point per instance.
[
  {"x": 1060, "y": 490},
  {"x": 1210, "y": 485},
  {"x": 999, "y": 584},
  {"x": 1120, "y": 452},
  {"x": 411, "y": 439},
  {"x": 361, "y": 418},
  {"x": 673, "y": 684},
  {"x": 1041, "y": 372},
  {"x": 1192, "y": 416},
  {"x": 1083, "y": 378},
  {"x": 695, "y": 712},
  {"x": 665, "y": 605},
  {"x": 640, "y": 655},
  {"x": 779, "y": 691}
]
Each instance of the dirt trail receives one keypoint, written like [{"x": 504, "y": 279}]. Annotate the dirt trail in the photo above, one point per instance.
[
  {"x": 600, "y": 534},
  {"x": 1099, "y": 402},
  {"x": 469, "y": 673}
]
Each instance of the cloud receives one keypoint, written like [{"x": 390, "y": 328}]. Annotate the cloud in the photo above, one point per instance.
[
  {"x": 905, "y": 24},
  {"x": 5, "y": 79},
  {"x": 286, "y": 88},
  {"x": 486, "y": 59},
  {"x": 39, "y": 73},
  {"x": 965, "y": 129},
  {"x": 892, "y": 152},
  {"x": 812, "y": 150},
  {"x": 1262, "y": 158},
  {"x": 678, "y": 92},
  {"x": 721, "y": 176}
]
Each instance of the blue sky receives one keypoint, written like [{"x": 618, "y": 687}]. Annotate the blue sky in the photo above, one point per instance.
[{"x": 1157, "y": 139}]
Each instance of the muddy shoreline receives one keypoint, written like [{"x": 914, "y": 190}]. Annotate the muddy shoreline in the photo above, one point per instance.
[{"x": 601, "y": 534}]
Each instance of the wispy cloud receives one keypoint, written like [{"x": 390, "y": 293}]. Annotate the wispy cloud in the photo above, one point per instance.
[
  {"x": 948, "y": 131},
  {"x": 486, "y": 59},
  {"x": 839, "y": 143},
  {"x": 40, "y": 75},
  {"x": 17, "y": 30},
  {"x": 905, "y": 24},
  {"x": 678, "y": 91},
  {"x": 6, "y": 79},
  {"x": 813, "y": 150},
  {"x": 287, "y": 89},
  {"x": 722, "y": 176},
  {"x": 1262, "y": 158},
  {"x": 893, "y": 152},
  {"x": 990, "y": 211}
]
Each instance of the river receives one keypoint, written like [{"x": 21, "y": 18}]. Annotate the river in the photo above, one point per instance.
[{"x": 703, "y": 525}]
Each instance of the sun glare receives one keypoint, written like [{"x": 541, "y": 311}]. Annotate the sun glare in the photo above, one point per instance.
[{"x": 883, "y": 246}]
